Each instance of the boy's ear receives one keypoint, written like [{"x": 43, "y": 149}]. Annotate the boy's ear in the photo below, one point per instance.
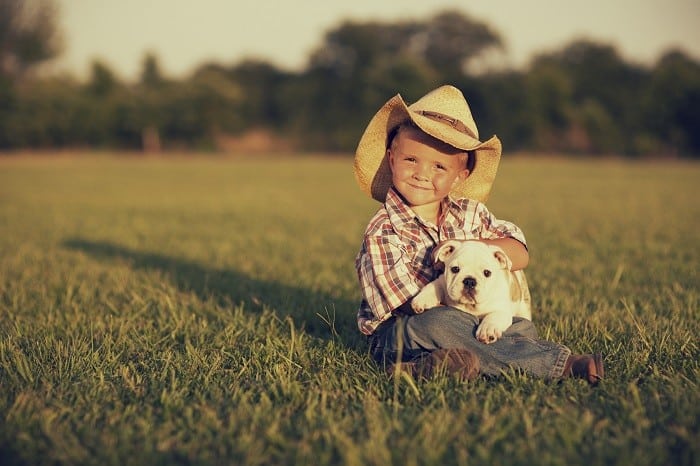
[{"x": 461, "y": 176}]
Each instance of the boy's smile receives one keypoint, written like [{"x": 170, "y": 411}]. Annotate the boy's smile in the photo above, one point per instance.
[{"x": 424, "y": 171}]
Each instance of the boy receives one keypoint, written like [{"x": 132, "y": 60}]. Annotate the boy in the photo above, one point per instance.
[{"x": 426, "y": 165}]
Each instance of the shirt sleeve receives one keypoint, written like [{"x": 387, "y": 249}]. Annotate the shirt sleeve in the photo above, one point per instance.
[
  {"x": 493, "y": 228},
  {"x": 385, "y": 279}
]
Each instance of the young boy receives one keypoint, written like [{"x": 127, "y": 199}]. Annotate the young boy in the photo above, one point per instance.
[{"x": 428, "y": 168}]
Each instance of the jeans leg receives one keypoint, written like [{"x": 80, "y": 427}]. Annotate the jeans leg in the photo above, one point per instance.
[{"x": 446, "y": 327}]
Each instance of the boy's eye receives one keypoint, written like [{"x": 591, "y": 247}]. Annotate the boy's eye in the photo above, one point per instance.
[
  {"x": 440, "y": 167},
  {"x": 454, "y": 269},
  {"x": 487, "y": 273}
]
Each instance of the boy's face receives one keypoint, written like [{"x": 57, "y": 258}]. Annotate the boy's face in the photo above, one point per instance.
[{"x": 424, "y": 171}]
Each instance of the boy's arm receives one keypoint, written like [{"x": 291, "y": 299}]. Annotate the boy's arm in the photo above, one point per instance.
[
  {"x": 385, "y": 280},
  {"x": 504, "y": 234},
  {"x": 514, "y": 249}
]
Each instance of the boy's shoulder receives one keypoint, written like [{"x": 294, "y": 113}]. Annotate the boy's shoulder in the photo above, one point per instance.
[
  {"x": 466, "y": 203},
  {"x": 464, "y": 207},
  {"x": 379, "y": 224}
]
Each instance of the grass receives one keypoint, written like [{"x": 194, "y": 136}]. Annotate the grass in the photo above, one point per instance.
[{"x": 200, "y": 310}]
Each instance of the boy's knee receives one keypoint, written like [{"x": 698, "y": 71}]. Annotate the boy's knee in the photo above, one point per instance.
[
  {"x": 522, "y": 327},
  {"x": 434, "y": 323}
]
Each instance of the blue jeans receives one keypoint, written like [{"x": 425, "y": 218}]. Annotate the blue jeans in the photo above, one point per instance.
[{"x": 447, "y": 327}]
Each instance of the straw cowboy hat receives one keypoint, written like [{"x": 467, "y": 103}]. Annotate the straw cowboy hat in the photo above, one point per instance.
[{"x": 442, "y": 113}]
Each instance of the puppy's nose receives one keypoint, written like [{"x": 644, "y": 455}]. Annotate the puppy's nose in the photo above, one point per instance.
[{"x": 469, "y": 283}]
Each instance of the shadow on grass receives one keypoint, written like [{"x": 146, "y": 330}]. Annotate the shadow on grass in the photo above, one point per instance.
[{"x": 308, "y": 309}]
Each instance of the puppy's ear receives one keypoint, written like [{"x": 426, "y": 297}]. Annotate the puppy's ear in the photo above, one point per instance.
[
  {"x": 502, "y": 258},
  {"x": 441, "y": 252}
]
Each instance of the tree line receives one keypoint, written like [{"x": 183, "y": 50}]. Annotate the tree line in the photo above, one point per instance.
[{"x": 583, "y": 98}]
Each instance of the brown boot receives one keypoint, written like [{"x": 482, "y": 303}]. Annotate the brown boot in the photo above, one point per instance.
[
  {"x": 454, "y": 361},
  {"x": 585, "y": 366}
]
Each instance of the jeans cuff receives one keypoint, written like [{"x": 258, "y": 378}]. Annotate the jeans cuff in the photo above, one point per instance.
[{"x": 558, "y": 369}]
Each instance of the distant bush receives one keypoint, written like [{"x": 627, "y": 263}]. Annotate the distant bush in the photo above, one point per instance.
[{"x": 583, "y": 98}]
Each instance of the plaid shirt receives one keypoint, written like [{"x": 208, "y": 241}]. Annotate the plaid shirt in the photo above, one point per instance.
[{"x": 394, "y": 262}]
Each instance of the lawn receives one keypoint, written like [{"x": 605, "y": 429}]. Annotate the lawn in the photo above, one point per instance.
[{"x": 200, "y": 310}]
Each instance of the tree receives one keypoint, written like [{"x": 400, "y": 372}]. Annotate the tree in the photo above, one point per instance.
[
  {"x": 600, "y": 109},
  {"x": 151, "y": 116},
  {"x": 501, "y": 105},
  {"x": 151, "y": 75},
  {"x": 446, "y": 42},
  {"x": 102, "y": 79},
  {"x": 28, "y": 35},
  {"x": 263, "y": 84},
  {"x": 549, "y": 91},
  {"x": 362, "y": 64},
  {"x": 672, "y": 104},
  {"x": 452, "y": 39},
  {"x": 197, "y": 110}
]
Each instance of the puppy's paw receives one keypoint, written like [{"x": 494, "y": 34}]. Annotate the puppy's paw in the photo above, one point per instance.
[
  {"x": 427, "y": 297},
  {"x": 488, "y": 334},
  {"x": 492, "y": 327},
  {"x": 421, "y": 302}
]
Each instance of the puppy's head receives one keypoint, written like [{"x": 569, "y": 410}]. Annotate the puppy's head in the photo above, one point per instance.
[{"x": 474, "y": 271}]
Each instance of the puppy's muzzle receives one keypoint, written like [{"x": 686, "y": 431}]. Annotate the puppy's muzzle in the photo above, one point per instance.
[
  {"x": 469, "y": 283},
  {"x": 469, "y": 290}
]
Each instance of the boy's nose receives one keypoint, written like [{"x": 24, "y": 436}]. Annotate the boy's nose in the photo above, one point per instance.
[{"x": 420, "y": 173}]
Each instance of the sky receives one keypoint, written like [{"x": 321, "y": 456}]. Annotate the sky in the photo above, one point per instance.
[{"x": 184, "y": 34}]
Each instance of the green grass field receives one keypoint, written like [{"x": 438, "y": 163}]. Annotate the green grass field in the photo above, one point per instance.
[{"x": 201, "y": 310}]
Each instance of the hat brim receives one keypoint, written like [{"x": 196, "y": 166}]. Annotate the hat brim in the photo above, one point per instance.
[{"x": 371, "y": 165}]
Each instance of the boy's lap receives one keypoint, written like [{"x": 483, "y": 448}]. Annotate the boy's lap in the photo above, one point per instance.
[
  {"x": 450, "y": 316},
  {"x": 446, "y": 314},
  {"x": 439, "y": 327}
]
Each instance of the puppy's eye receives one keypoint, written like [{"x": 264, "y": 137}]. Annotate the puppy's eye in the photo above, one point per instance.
[
  {"x": 454, "y": 269},
  {"x": 487, "y": 273}
]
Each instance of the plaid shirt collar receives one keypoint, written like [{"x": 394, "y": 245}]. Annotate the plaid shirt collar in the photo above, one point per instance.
[{"x": 405, "y": 221}]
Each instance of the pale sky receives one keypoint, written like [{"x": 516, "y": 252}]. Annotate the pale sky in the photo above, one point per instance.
[{"x": 186, "y": 33}]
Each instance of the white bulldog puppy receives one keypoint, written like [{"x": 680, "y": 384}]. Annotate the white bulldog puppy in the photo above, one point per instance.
[{"x": 477, "y": 279}]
